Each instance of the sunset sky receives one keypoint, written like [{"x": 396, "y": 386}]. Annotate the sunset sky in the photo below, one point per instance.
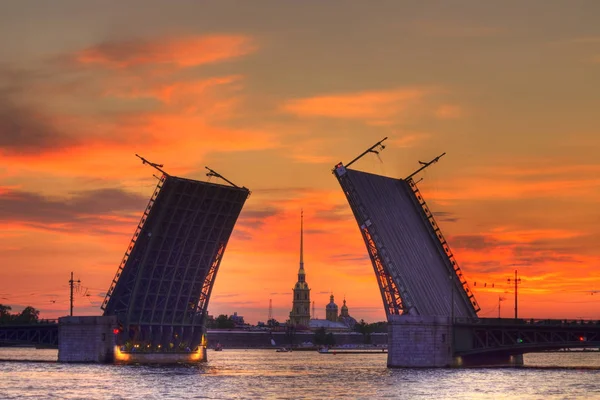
[{"x": 272, "y": 94}]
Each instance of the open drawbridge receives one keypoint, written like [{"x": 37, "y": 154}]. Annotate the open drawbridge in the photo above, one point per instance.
[
  {"x": 415, "y": 268},
  {"x": 162, "y": 286}
]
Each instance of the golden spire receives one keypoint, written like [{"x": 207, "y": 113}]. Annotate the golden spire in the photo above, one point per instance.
[{"x": 301, "y": 271}]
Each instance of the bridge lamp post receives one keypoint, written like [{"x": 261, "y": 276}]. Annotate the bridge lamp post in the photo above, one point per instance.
[{"x": 516, "y": 281}]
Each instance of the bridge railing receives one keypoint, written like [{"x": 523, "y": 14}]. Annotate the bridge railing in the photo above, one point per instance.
[
  {"x": 137, "y": 232},
  {"x": 520, "y": 336},
  {"x": 44, "y": 333},
  {"x": 525, "y": 321},
  {"x": 35, "y": 323},
  {"x": 428, "y": 216}
]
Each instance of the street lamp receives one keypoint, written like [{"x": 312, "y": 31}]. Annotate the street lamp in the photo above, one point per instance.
[{"x": 516, "y": 281}]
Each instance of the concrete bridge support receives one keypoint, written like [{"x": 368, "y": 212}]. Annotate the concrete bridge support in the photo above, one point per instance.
[
  {"x": 86, "y": 339},
  {"x": 430, "y": 342},
  {"x": 419, "y": 341}
]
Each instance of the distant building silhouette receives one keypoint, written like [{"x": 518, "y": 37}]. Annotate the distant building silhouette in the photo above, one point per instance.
[
  {"x": 300, "y": 314},
  {"x": 345, "y": 317},
  {"x": 331, "y": 310},
  {"x": 333, "y": 321}
]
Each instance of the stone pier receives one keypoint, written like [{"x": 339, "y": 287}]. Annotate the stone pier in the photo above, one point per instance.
[
  {"x": 86, "y": 339},
  {"x": 419, "y": 341}
]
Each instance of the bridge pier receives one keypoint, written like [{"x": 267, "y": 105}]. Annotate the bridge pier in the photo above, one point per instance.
[
  {"x": 419, "y": 341},
  {"x": 86, "y": 339},
  {"x": 416, "y": 341}
]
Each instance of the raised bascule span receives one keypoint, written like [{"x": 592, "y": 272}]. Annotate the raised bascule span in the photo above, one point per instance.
[
  {"x": 431, "y": 311},
  {"x": 162, "y": 286},
  {"x": 415, "y": 268}
]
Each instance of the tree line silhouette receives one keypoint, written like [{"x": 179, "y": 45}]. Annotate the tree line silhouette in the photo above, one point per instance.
[{"x": 29, "y": 315}]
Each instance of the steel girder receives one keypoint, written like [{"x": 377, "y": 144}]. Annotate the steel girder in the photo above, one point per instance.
[
  {"x": 445, "y": 247},
  {"x": 491, "y": 335},
  {"x": 41, "y": 334},
  {"x": 164, "y": 283},
  {"x": 394, "y": 303}
]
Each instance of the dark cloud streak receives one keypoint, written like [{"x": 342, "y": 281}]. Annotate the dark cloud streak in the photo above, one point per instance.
[
  {"x": 25, "y": 130},
  {"x": 86, "y": 209}
]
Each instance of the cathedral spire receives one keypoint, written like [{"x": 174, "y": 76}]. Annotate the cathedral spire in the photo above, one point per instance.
[
  {"x": 301, "y": 271},
  {"x": 300, "y": 314}
]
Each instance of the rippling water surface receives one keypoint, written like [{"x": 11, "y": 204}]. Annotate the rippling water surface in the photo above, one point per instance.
[{"x": 257, "y": 374}]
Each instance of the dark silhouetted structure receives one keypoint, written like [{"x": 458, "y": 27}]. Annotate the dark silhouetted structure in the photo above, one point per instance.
[
  {"x": 161, "y": 290},
  {"x": 415, "y": 268}
]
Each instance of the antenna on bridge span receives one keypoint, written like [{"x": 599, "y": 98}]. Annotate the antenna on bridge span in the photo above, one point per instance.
[
  {"x": 370, "y": 150},
  {"x": 153, "y": 165},
  {"x": 425, "y": 165},
  {"x": 216, "y": 174}
]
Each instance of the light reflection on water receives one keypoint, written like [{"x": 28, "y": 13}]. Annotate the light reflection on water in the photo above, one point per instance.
[{"x": 266, "y": 374}]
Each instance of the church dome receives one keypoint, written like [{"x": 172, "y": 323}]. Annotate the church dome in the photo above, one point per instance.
[
  {"x": 344, "y": 307},
  {"x": 331, "y": 305}
]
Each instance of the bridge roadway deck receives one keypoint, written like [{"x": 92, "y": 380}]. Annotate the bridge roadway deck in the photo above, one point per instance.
[
  {"x": 489, "y": 336},
  {"x": 472, "y": 337}
]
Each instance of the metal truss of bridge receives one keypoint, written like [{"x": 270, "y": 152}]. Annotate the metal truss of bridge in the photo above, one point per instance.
[
  {"x": 43, "y": 334},
  {"x": 162, "y": 287},
  {"x": 415, "y": 268},
  {"x": 495, "y": 337}
]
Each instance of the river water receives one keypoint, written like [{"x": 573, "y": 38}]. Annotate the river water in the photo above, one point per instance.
[{"x": 265, "y": 374}]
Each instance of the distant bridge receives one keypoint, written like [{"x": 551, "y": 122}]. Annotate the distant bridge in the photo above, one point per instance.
[
  {"x": 44, "y": 333},
  {"x": 431, "y": 311},
  {"x": 497, "y": 337}
]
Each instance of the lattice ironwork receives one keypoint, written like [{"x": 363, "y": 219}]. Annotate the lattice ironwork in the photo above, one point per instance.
[
  {"x": 389, "y": 290},
  {"x": 387, "y": 278},
  {"x": 493, "y": 335},
  {"x": 209, "y": 280},
  {"x": 428, "y": 216},
  {"x": 164, "y": 283},
  {"x": 133, "y": 241},
  {"x": 41, "y": 334}
]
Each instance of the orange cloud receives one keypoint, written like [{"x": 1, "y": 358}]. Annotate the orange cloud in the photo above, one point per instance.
[
  {"x": 531, "y": 235},
  {"x": 190, "y": 121},
  {"x": 378, "y": 107},
  {"x": 181, "y": 52},
  {"x": 490, "y": 188},
  {"x": 175, "y": 93},
  {"x": 409, "y": 139}
]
